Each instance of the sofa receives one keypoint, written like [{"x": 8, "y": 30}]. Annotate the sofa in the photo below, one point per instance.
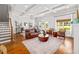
[{"x": 30, "y": 33}]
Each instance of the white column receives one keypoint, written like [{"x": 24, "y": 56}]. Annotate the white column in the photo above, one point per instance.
[{"x": 76, "y": 37}]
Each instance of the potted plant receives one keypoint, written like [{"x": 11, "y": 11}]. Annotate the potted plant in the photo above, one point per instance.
[{"x": 43, "y": 36}]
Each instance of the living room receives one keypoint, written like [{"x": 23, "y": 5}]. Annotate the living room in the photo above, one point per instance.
[{"x": 40, "y": 29}]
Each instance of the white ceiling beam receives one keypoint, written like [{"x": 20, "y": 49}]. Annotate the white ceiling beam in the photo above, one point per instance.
[
  {"x": 28, "y": 9},
  {"x": 57, "y": 8},
  {"x": 48, "y": 11}
]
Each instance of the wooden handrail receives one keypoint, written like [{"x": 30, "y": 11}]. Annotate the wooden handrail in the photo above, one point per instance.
[
  {"x": 11, "y": 29},
  {"x": 77, "y": 14}
]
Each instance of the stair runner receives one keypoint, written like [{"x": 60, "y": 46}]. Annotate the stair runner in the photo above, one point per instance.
[{"x": 5, "y": 32}]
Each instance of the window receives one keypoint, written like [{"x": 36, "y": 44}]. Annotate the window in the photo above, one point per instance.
[
  {"x": 64, "y": 23},
  {"x": 43, "y": 24}
]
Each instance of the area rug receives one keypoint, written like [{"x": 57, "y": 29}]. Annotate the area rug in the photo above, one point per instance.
[{"x": 37, "y": 47}]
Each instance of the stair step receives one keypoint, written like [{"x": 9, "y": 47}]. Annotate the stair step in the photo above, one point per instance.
[
  {"x": 8, "y": 35},
  {"x": 4, "y": 24},
  {"x": 5, "y": 27},
  {"x": 1, "y": 23},
  {"x": 5, "y": 33},
  {"x": 1, "y": 42},
  {"x": 5, "y": 30},
  {"x": 5, "y": 38}
]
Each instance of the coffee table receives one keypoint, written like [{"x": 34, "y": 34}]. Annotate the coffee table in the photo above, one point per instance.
[{"x": 35, "y": 46}]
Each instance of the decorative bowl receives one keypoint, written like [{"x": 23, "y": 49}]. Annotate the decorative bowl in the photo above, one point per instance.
[{"x": 43, "y": 38}]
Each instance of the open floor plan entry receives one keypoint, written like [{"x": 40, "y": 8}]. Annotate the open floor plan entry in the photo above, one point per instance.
[{"x": 39, "y": 28}]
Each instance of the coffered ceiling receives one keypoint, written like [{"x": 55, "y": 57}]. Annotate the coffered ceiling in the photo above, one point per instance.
[{"x": 38, "y": 9}]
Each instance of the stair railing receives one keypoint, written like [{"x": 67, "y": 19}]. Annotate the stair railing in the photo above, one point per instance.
[{"x": 11, "y": 28}]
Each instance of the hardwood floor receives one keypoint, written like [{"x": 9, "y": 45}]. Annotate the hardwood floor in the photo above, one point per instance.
[
  {"x": 17, "y": 47},
  {"x": 67, "y": 47}
]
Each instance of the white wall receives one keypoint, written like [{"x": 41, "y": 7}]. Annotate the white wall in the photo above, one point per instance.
[
  {"x": 20, "y": 19},
  {"x": 76, "y": 37}
]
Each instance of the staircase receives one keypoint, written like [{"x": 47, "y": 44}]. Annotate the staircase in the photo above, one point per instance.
[{"x": 5, "y": 32}]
